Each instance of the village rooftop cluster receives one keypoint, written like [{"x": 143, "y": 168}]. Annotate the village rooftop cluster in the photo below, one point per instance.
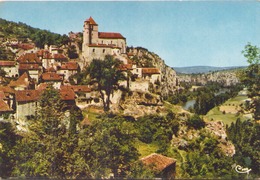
[{"x": 33, "y": 69}]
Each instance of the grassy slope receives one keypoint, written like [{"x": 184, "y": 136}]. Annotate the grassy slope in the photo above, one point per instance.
[
  {"x": 227, "y": 118},
  {"x": 146, "y": 149}
]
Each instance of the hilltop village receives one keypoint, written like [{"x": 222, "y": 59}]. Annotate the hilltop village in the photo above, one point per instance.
[
  {"x": 159, "y": 123},
  {"x": 33, "y": 69}
]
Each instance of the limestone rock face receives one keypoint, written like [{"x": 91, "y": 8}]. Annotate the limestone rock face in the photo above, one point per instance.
[
  {"x": 226, "y": 78},
  {"x": 138, "y": 104},
  {"x": 145, "y": 58},
  {"x": 217, "y": 129}
]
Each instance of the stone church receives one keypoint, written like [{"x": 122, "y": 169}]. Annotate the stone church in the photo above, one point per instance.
[{"x": 98, "y": 44}]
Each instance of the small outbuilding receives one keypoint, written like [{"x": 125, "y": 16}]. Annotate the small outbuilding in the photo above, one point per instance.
[{"x": 164, "y": 167}]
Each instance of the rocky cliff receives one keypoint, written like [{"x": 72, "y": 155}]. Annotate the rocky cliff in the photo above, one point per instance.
[
  {"x": 144, "y": 58},
  {"x": 225, "y": 78},
  {"x": 186, "y": 136}
]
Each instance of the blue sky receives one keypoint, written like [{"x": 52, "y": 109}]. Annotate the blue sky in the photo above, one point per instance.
[{"x": 183, "y": 33}]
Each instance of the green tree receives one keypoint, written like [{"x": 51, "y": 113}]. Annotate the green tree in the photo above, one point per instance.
[
  {"x": 196, "y": 122},
  {"x": 205, "y": 159},
  {"x": 106, "y": 74},
  {"x": 45, "y": 149},
  {"x": 204, "y": 102},
  {"x": 72, "y": 52},
  {"x": 250, "y": 77},
  {"x": 245, "y": 136},
  {"x": 106, "y": 146},
  {"x": 8, "y": 140}
]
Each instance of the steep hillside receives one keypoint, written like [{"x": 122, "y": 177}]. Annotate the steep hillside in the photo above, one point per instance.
[
  {"x": 23, "y": 32},
  {"x": 144, "y": 58}
]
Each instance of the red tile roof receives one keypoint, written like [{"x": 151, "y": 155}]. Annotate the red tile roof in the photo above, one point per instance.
[
  {"x": 158, "y": 162},
  {"x": 90, "y": 20},
  {"x": 4, "y": 107},
  {"x": 150, "y": 71},
  {"x": 51, "y": 76},
  {"x": 67, "y": 94},
  {"x": 29, "y": 67},
  {"x": 45, "y": 54},
  {"x": 130, "y": 54},
  {"x": 7, "y": 89},
  {"x": 77, "y": 88},
  {"x": 70, "y": 66},
  {"x": 27, "y": 95},
  {"x": 7, "y": 63},
  {"x": 51, "y": 69},
  {"x": 104, "y": 45},
  {"x": 2, "y": 95},
  {"x": 110, "y": 35},
  {"x": 22, "y": 81},
  {"x": 124, "y": 67},
  {"x": 59, "y": 57},
  {"x": 42, "y": 86},
  {"x": 29, "y": 58},
  {"x": 26, "y": 46}
]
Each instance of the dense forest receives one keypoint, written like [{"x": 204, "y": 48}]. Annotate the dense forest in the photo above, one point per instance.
[{"x": 22, "y": 32}]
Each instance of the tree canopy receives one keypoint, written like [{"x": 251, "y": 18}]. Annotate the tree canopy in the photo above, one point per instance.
[
  {"x": 250, "y": 77},
  {"x": 106, "y": 73}
]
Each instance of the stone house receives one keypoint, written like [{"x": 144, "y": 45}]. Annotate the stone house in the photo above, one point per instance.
[
  {"x": 51, "y": 59},
  {"x": 84, "y": 95},
  {"x": 59, "y": 59},
  {"x": 163, "y": 166},
  {"x": 7, "y": 95},
  {"x": 10, "y": 67},
  {"x": 31, "y": 63},
  {"x": 68, "y": 97},
  {"x": 46, "y": 57},
  {"x": 33, "y": 70},
  {"x": 52, "y": 78},
  {"x": 26, "y": 103},
  {"x": 22, "y": 83},
  {"x": 68, "y": 69},
  {"x": 4, "y": 109},
  {"x": 151, "y": 74},
  {"x": 26, "y": 46}
]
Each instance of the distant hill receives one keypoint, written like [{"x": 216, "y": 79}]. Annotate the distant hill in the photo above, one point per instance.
[{"x": 203, "y": 69}]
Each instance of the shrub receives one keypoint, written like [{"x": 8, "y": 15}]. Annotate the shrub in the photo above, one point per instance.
[{"x": 195, "y": 122}]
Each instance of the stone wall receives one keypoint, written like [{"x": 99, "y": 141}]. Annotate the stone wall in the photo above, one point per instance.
[
  {"x": 25, "y": 109},
  {"x": 139, "y": 85}
]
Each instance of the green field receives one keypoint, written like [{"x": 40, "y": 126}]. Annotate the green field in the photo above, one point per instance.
[{"x": 227, "y": 118}]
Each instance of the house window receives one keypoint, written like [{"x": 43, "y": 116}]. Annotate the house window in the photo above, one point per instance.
[
  {"x": 111, "y": 42},
  {"x": 64, "y": 71},
  {"x": 104, "y": 50},
  {"x": 93, "y": 50}
]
